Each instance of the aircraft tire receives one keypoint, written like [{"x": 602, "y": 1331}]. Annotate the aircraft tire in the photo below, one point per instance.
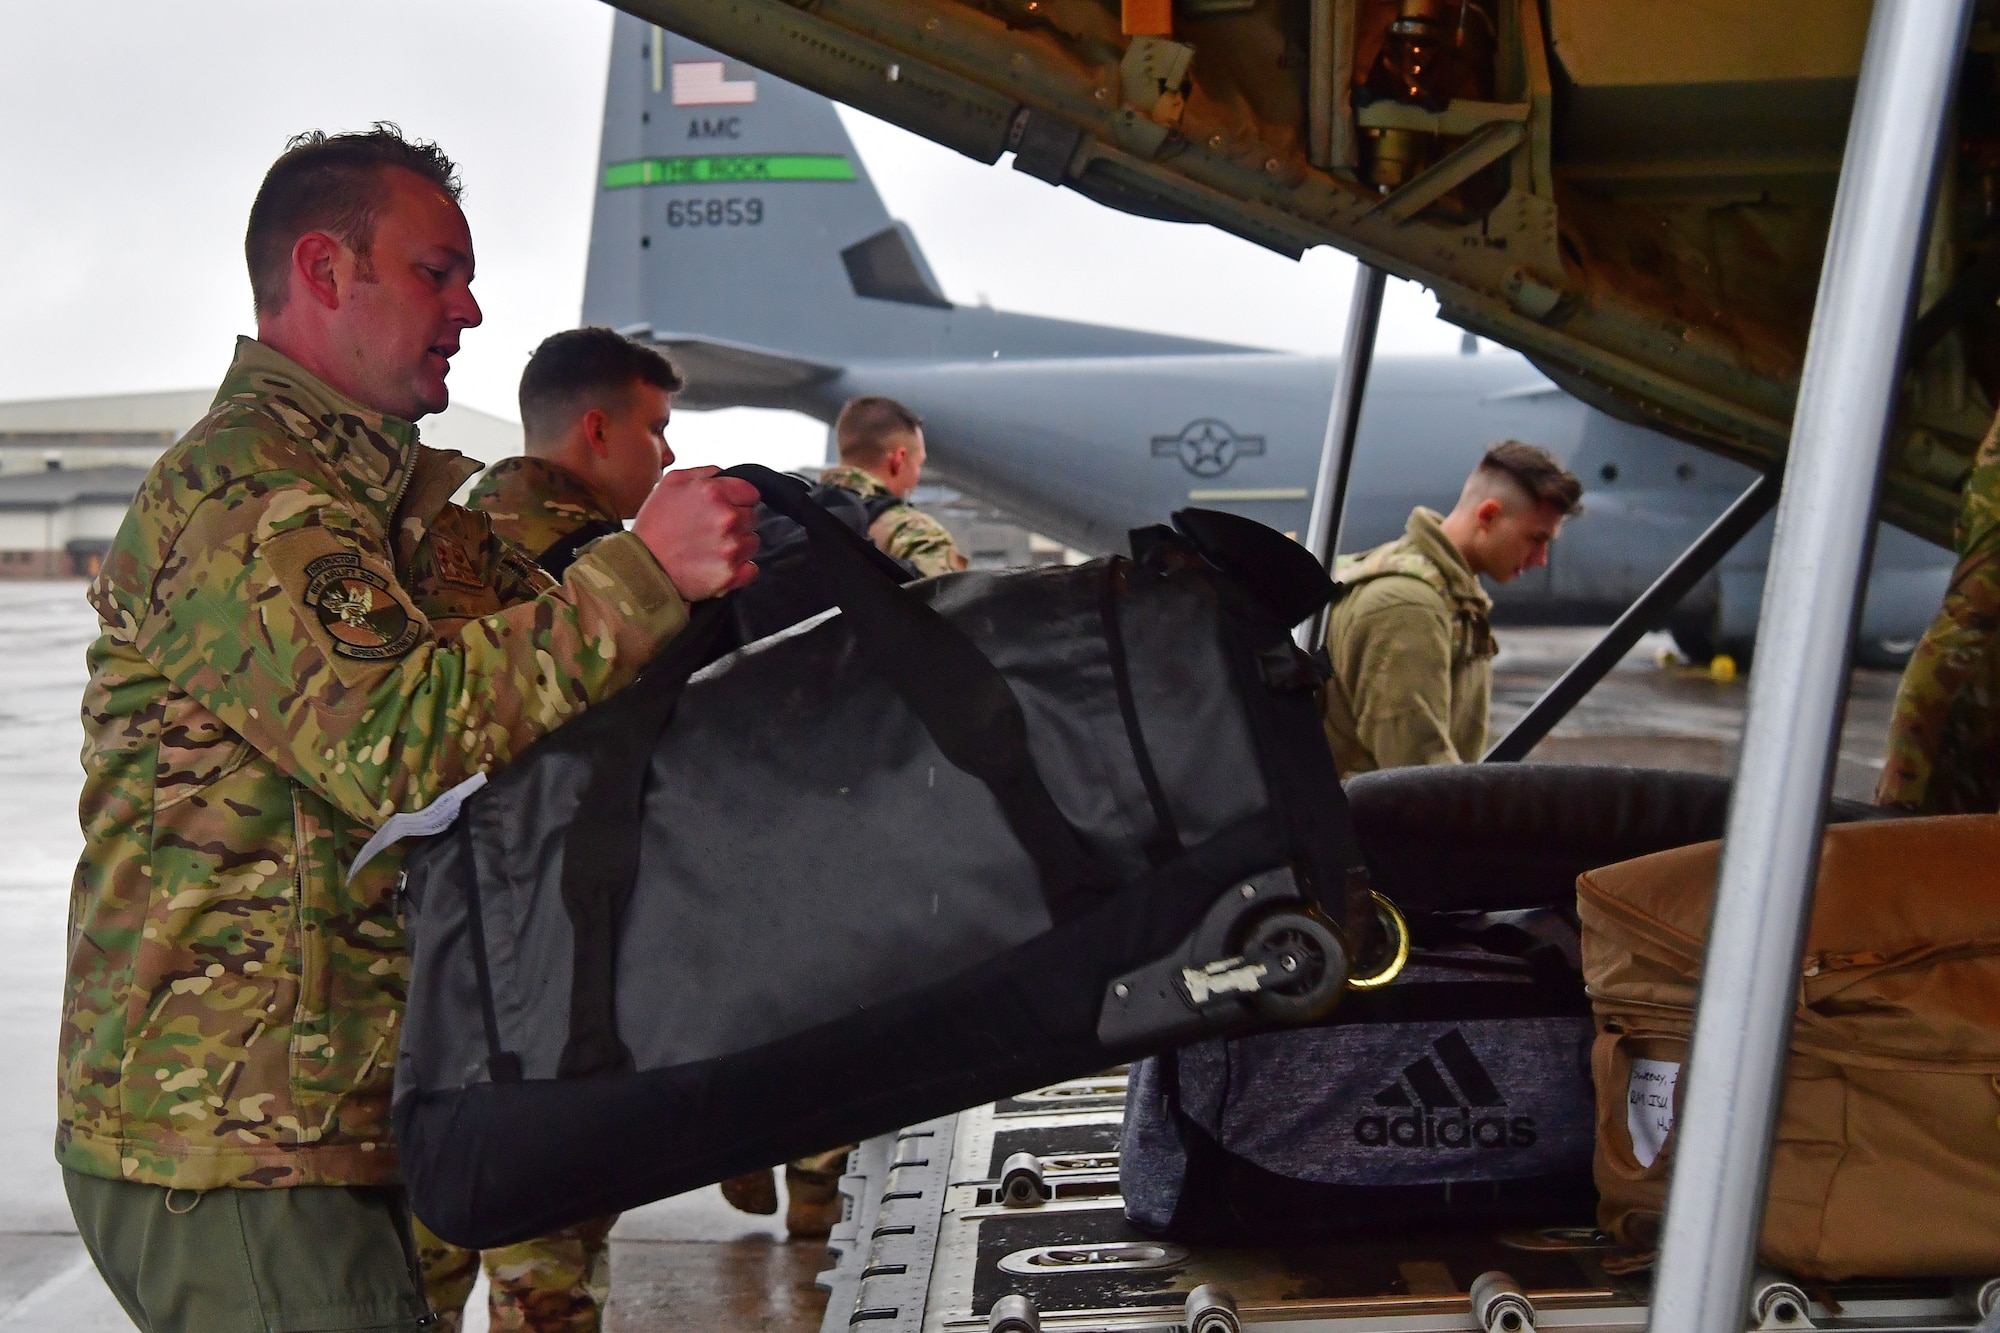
[
  {"x": 1694, "y": 636},
  {"x": 1884, "y": 654}
]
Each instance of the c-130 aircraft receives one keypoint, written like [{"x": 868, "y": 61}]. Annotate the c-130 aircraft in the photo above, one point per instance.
[{"x": 736, "y": 226}]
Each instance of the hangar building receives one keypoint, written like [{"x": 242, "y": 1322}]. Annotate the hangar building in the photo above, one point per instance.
[{"x": 70, "y": 466}]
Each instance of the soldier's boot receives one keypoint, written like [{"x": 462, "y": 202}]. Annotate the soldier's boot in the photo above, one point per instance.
[
  {"x": 753, "y": 1192},
  {"x": 815, "y": 1201}
]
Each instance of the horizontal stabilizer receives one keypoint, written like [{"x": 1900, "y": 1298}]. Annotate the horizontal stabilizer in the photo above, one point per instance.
[
  {"x": 726, "y": 374},
  {"x": 889, "y": 267}
]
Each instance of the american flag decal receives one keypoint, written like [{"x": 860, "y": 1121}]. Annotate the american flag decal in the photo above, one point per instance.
[{"x": 700, "y": 83}]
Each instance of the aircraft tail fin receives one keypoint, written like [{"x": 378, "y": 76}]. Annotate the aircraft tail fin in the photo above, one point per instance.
[
  {"x": 736, "y": 223},
  {"x": 733, "y": 209}
]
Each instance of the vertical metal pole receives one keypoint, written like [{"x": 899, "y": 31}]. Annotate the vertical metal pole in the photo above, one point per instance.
[
  {"x": 1329, "y": 80},
  {"x": 1343, "y": 420},
  {"x": 1749, "y": 983},
  {"x": 1344, "y": 153},
  {"x": 1319, "y": 84}
]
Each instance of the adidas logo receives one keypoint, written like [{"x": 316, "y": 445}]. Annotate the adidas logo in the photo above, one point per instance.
[{"x": 1425, "y": 1110}]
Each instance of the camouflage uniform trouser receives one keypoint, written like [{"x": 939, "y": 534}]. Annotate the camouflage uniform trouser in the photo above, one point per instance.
[{"x": 558, "y": 1283}]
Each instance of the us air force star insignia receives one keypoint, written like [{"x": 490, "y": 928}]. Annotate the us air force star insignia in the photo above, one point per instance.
[
  {"x": 358, "y": 609},
  {"x": 1207, "y": 446}
]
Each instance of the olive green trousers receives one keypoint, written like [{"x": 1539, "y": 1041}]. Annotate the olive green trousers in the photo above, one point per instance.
[{"x": 310, "y": 1259}]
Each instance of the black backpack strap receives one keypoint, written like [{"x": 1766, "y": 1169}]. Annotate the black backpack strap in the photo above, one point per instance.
[
  {"x": 878, "y": 505},
  {"x": 960, "y": 697},
  {"x": 562, "y": 553},
  {"x": 601, "y": 847}
]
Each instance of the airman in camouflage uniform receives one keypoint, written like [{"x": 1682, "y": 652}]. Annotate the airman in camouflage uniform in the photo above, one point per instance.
[
  {"x": 903, "y": 530},
  {"x": 300, "y": 637},
  {"x": 1944, "y": 736},
  {"x": 596, "y": 401},
  {"x": 881, "y": 448},
  {"x": 1409, "y": 640}
]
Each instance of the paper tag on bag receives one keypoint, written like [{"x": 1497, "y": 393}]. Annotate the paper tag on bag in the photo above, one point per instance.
[
  {"x": 436, "y": 817},
  {"x": 1649, "y": 1107}
]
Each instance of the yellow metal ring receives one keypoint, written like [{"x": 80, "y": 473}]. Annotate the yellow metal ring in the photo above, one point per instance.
[{"x": 1393, "y": 922}]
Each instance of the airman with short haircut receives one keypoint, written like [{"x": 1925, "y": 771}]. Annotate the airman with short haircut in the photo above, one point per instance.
[
  {"x": 594, "y": 411},
  {"x": 301, "y": 636},
  {"x": 1409, "y": 640},
  {"x": 881, "y": 447}
]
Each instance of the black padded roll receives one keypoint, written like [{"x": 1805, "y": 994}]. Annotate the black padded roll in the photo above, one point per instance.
[{"x": 1488, "y": 836}]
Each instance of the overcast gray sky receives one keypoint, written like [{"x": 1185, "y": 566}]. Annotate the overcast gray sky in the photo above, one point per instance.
[{"x": 137, "y": 130}]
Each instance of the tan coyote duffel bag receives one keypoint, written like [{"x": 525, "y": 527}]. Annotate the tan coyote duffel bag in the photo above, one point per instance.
[{"x": 1887, "y": 1161}]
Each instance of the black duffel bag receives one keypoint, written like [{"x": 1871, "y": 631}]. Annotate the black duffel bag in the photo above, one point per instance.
[
  {"x": 1460, "y": 1093},
  {"x": 965, "y": 838}
]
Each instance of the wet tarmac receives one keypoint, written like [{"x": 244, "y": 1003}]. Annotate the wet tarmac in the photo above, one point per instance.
[
  {"x": 1656, "y": 711},
  {"x": 690, "y": 1262}
]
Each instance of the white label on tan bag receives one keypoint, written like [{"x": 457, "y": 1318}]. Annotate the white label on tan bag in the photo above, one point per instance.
[{"x": 1649, "y": 1107}]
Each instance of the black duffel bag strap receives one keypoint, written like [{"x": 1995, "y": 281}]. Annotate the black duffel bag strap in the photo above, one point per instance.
[
  {"x": 560, "y": 554},
  {"x": 601, "y": 847},
  {"x": 960, "y": 697}
]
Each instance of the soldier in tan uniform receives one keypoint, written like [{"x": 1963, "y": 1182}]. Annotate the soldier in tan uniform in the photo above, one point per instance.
[
  {"x": 301, "y": 636},
  {"x": 1409, "y": 640},
  {"x": 594, "y": 410},
  {"x": 881, "y": 447}
]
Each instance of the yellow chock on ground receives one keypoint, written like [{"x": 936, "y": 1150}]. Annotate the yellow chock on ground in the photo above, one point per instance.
[{"x": 1722, "y": 668}]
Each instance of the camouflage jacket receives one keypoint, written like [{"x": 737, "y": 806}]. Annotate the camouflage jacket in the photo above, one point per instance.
[
  {"x": 1944, "y": 735},
  {"x": 300, "y": 637},
  {"x": 1412, "y": 652},
  {"x": 905, "y": 531},
  {"x": 536, "y": 504}
]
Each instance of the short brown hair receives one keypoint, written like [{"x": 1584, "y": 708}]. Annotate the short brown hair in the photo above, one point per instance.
[
  {"x": 864, "y": 427},
  {"x": 330, "y": 183},
  {"x": 1536, "y": 471},
  {"x": 579, "y": 369}
]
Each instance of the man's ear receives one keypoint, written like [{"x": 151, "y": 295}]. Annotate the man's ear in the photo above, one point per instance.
[
  {"x": 596, "y": 426},
  {"x": 1488, "y": 512},
  {"x": 315, "y": 258}
]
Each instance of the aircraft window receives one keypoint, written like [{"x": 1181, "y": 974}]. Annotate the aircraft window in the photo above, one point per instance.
[{"x": 1609, "y": 472}]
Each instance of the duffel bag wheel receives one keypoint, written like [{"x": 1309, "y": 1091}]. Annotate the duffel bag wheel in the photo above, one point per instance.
[{"x": 1308, "y": 972}]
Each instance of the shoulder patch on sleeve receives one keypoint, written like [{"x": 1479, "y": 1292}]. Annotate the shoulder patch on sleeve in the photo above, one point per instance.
[{"x": 364, "y": 615}]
